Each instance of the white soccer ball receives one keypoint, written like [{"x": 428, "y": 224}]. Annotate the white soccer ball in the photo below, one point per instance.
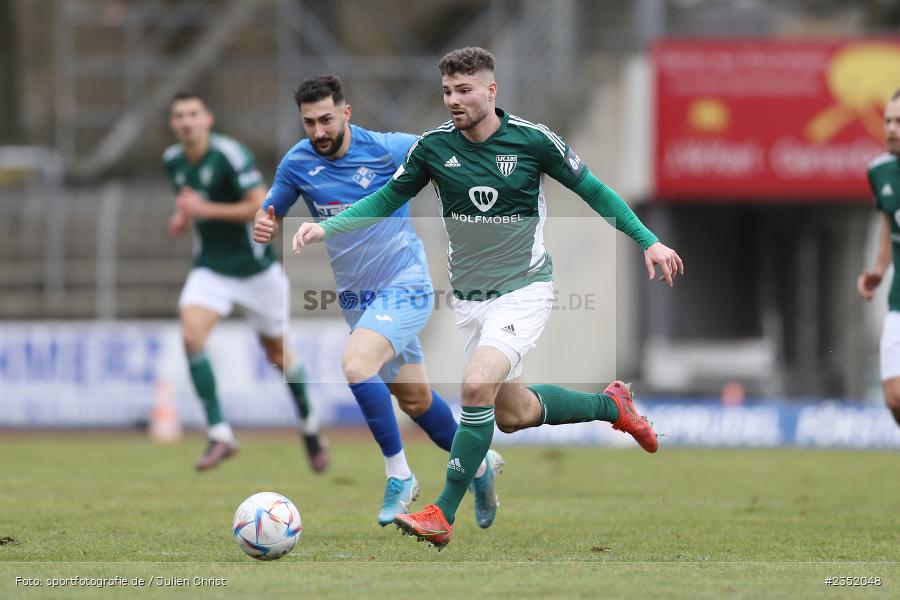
[{"x": 266, "y": 526}]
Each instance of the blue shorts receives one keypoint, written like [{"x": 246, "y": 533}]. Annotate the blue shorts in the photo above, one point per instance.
[{"x": 399, "y": 314}]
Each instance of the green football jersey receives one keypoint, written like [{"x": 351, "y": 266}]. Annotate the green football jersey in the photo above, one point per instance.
[
  {"x": 884, "y": 179},
  {"x": 492, "y": 200},
  {"x": 225, "y": 174}
]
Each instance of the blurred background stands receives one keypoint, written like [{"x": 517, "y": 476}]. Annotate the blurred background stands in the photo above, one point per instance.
[{"x": 83, "y": 201}]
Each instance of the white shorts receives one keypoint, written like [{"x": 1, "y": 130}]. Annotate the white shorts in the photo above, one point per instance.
[
  {"x": 890, "y": 346},
  {"x": 263, "y": 296},
  {"x": 511, "y": 323}
]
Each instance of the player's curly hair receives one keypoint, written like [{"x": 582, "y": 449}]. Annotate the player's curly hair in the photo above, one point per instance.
[
  {"x": 896, "y": 95},
  {"x": 466, "y": 61},
  {"x": 313, "y": 89}
]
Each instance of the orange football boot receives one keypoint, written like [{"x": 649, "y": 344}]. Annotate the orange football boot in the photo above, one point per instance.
[
  {"x": 629, "y": 420},
  {"x": 427, "y": 525}
]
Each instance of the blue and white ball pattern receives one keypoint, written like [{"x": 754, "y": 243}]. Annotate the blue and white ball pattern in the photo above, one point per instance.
[{"x": 266, "y": 526}]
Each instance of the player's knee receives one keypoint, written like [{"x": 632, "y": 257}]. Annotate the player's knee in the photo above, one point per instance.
[
  {"x": 414, "y": 399},
  {"x": 507, "y": 426},
  {"x": 193, "y": 341},
  {"x": 891, "y": 389},
  {"x": 275, "y": 356},
  {"x": 507, "y": 421},
  {"x": 357, "y": 368},
  {"x": 475, "y": 393},
  {"x": 892, "y": 399}
]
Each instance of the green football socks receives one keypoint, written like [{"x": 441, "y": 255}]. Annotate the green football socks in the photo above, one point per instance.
[
  {"x": 205, "y": 384},
  {"x": 296, "y": 381},
  {"x": 561, "y": 405},
  {"x": 470, "y": 445}
]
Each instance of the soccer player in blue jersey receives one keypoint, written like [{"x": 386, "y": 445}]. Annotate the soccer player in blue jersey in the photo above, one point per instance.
[{"x": 385, "y": 271}]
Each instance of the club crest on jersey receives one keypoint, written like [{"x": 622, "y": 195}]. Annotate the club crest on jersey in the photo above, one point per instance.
[
  {"x": 483, "y": 197},
  {"x": 364, "y": 177},
  {"x": 507, "y": 163}
]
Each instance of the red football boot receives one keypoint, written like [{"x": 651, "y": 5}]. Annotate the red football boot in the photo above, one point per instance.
[
  {"x": 629, "y": 420},
  {"x": 427, "y": 525}
]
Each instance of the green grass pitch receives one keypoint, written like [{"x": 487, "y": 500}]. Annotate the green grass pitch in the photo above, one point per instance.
[{"x": 573, "y": 522}]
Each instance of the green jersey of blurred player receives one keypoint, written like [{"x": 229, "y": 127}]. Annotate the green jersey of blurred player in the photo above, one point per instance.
[
  {"x": 884, "y": 179},
  {"x": 219, "y": 189}
]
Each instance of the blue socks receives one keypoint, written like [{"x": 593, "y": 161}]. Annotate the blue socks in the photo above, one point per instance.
[
  {"x": 438, "y": 422},
  {"x": 374, "y": 400}
]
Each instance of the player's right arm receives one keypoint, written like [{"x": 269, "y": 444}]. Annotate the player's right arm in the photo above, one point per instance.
[
  {"x": 265, "y": 225},
  {"x": 178, "y": 221},
  {"x": 410, "y": 177},
  {"x": 560, "y": 162},
  {"x": 364, "y": 213},
  {"x": 869, "y": 280}
]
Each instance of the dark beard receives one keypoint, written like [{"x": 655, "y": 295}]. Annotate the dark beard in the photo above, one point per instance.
[{"x": 336, "y": 144}]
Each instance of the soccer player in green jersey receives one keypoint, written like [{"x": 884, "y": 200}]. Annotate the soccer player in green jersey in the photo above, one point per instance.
[
  {"x": 487, "y": 168},
  {"x": 219, "y": 189},
  {"x": 884, "y": 179}
]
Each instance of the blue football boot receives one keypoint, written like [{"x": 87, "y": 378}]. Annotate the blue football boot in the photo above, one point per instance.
[
  {"x": 486, "y": 500},
  {"x": 399, "y": 494}
]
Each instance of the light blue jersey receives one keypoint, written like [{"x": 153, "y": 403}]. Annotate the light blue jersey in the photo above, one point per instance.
[
  {"x": 371, "y": 258},
  {"x": 381, "y": 271}
]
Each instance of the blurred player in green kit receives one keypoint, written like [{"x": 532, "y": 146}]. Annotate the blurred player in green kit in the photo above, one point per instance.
[
  {"x": 218, "y": 189},
  {"x": 884, "y": 179}
]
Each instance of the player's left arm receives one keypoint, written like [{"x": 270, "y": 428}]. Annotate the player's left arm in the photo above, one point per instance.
[
  {"x": 564, "y": 165},
  {"x": 869, "y": 280},
  {"x": 609, "y": 205}
]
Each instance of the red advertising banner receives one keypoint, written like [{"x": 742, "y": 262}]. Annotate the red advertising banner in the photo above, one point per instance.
[{"x": 770, "y": 120}]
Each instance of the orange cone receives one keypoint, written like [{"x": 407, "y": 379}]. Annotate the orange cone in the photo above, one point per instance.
[
  {"x": 165, "y": 428},
  {"x": 733, "y": 393}
]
